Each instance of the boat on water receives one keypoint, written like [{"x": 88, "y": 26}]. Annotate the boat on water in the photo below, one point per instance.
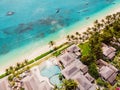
[
  {"x": 85, "y": 10},
  {"x": 57, "y": 10},
  {"x": 9, "y": 13},
  {"x": 86, "y": 3}
]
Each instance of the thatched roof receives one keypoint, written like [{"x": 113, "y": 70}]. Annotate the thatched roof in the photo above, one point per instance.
[
  {"x": 33, "y": 83},
  {"x": 73, "y": 48},
  {"x": 113, "y": 68},
  {"x": 72, "y": 69},
  {"x": 83, "y": 83},
  {"x": 4, "y": 85},
  {"x": 30, "y": 83},
  {"x": 108, "y": 51},
  {"x": 106, "y": 72},
  {"x": 112, "y": 78},
  {"x": 101, "y": 63},
  {"x": 111, "y": 55},
  {"x": 66, "y": 59},
  {"x": 74, "y": 51},
  {"x": 89, "y": 77},
  {"x": 83, "y": 68}
]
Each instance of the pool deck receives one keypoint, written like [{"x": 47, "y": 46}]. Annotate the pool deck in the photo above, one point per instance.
[{"x": 36, "y": 70}]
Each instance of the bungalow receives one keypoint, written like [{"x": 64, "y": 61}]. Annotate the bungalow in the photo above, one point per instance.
[
  {"x": 83, "y": 82},
  {"x": 75, "y": 50},
  {"x": 108, "y": 51},
  {"x": 73, "y": 68},
  {"x": 101, "y": 63},
  {"x": 107, "y": 72},
  {"x": 4, "y": 85},
  {"x": 29, "y": 83},
  {"x": 32, "y": 83},
  {"x": 66, "y": 59}
]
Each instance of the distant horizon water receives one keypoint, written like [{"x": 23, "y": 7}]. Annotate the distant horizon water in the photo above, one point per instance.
[{"x": 35, "y": 23}]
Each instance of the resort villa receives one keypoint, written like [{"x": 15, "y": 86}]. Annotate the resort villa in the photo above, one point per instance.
[
  {"x": 108, "y": 51},
  {"x": 74, "y": 50},
  {"x": 4, "y": 85},
  {"x": 33, "y": 83},
  {"x": 75, "y": 69},
  {"x": 107, "y": 71}
]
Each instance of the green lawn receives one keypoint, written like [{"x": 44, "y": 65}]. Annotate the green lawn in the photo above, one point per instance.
[{"x": 85, "y": 49}]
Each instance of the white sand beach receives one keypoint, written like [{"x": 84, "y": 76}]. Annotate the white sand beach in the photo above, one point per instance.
[{"x": 79, "y": 27}]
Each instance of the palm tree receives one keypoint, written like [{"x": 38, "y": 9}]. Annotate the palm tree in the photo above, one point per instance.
[
  {"x": 95, "y": 22},
  {"x": 85, "y": 33},
  {"x": 60, "y": 76},
  {"x": 94, "y": 29},
  {"x": 88, "y": 29},
  {"x": 11, "y": 69},
  {"x": 68, "y": 38},
  {"x": 103, "y": 21},
  {"x": 77, "y": 34},
  {"x": 51, "y": 44},
  {"x": 72, "y": 37},
  {"x": 108, "y": 18},
  {"x": 7, "y": 71},
  {"x": 18, "y": 65},
  {"x": 80, "y": 39},
  {"x": 69, "y": 84},
  {"x": 26, "y": 61},
  {"x": 76, "y": 40},
  {"x": 55, "y": 87}
]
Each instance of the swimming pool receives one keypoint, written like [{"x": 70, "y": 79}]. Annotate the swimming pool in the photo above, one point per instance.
[
  {"x": 55, "y": 80},
  {"x": 52, "y": 72}
]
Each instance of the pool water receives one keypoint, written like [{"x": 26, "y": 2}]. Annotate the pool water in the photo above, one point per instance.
[
  {"x": 55, "y": 80},
  {"x": 52, "y": 72}
]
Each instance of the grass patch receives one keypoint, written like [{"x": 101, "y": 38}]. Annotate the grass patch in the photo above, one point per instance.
[
  {"x": 58, "y": 52},
  {"x": 3, "y": 75},
  {"x": 85, "y": 48},
  {"x": 43, "y": 55},
  {"x": 101, "y": 82}
]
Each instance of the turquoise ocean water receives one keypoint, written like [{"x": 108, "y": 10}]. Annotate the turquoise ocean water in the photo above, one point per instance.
[{"x": 36, "y": 22}]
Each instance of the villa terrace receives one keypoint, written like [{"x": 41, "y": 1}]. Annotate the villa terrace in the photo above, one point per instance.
[
  {"x": 108, "y": 51},
  {"x": 83, "y": 82},
  {"x": 107, "y": 71}
]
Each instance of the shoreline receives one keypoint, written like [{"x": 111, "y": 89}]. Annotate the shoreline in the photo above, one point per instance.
[{"x": 79, "y": 27}]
